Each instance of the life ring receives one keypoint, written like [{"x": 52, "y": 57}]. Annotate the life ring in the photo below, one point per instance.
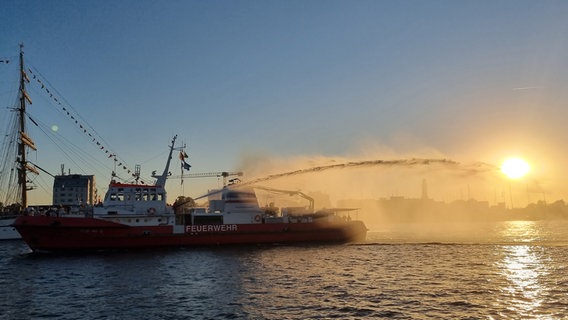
[
  {"x": 151, "y": 211},
  {"x": 257, "y": 218}
]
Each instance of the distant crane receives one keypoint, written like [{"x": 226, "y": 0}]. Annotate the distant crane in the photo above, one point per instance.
[{"x": 223, "y": 174}]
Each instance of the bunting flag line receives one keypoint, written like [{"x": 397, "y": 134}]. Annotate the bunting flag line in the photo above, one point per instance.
[{"x": 74, "y": 118}]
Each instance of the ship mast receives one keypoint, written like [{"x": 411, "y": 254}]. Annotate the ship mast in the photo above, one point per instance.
[
  {"x": 161, "y": 180},
  {"x": 24, "y": 139}
]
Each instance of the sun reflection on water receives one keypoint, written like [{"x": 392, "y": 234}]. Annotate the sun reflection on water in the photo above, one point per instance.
[
  {"x": 524, "y": 269},
  {"x": 521, "y": 231}
]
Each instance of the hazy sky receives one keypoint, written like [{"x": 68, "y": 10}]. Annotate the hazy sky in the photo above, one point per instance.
[{"x": 471, "y": 81}]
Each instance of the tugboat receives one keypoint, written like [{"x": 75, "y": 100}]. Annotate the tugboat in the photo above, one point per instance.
[{"x": 137, "y": 216}]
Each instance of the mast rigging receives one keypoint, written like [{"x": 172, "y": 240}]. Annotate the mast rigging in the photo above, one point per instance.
[{"x": 24, "y": 139}]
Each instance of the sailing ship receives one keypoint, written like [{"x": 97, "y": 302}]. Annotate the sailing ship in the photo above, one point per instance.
[{"x": 15, "y": 166}]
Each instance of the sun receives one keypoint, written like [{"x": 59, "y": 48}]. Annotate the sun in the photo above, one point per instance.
[{"x": 515, "y": 168}]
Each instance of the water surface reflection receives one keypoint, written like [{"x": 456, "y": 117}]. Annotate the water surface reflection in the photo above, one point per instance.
[
  {"x": 509, "y": 270},
  {"x": 524, "y": 268}
]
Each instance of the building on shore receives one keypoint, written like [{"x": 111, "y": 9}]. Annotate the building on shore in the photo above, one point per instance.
[{"x": 74, "y": 190}]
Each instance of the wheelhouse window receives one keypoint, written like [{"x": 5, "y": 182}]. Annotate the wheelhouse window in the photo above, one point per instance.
[{"x": 116, "y": 195}]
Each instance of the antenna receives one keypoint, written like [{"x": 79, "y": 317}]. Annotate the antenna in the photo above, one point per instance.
[{"x": 137, "y": 172}]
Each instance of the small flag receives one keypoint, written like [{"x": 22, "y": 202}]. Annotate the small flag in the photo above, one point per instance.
[{"x": 182, "y": 155}]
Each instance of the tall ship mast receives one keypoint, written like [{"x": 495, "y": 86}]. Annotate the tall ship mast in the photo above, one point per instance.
[
  {"x": 24, "y": 141},
  {"x": 22, "y": 176},
  {"x": 14, "y": 166}
]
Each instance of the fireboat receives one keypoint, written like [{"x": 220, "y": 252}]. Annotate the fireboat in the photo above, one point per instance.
[{"x": 137, "y": 216}]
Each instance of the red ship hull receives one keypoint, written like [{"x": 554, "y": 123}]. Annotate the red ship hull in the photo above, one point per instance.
[{"x": 60, "y": 234}]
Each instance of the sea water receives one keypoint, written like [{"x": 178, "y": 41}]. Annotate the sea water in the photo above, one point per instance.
[{"x": 504, "y": 270}]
